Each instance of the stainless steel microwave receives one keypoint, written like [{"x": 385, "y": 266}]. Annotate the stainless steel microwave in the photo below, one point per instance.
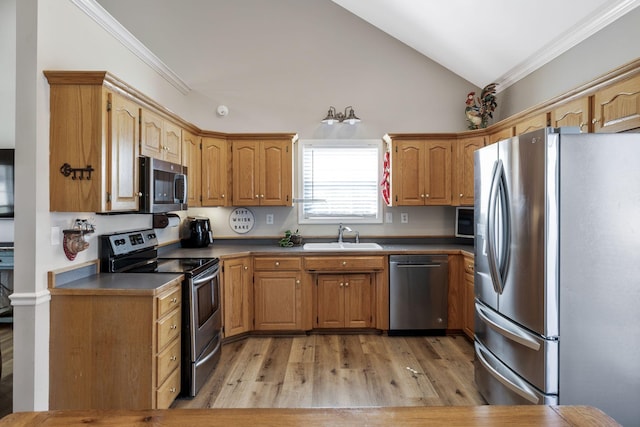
[
  {"x": 163, "y": 186},
  {"x": 464, "y": 222}
]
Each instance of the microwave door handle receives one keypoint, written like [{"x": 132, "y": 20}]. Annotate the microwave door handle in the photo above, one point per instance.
[{"x": 180, "y": 188}]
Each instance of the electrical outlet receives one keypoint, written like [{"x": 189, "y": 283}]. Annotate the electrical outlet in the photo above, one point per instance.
[
  {"x": 404, "y": 218},
  {"x": 388, "y": 217},
  {"x": 269, "y": 218}
]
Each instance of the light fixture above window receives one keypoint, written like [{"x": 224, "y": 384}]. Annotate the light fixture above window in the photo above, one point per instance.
[{"x": 349, "y": 116}]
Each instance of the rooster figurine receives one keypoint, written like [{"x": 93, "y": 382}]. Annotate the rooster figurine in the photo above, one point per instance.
[{"x": 478, "y": 115}]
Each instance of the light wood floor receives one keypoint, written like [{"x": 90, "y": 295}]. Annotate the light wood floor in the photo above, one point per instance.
[
  {"x": 340, "y": 371},
  {"x": 6, "y": 381},
  {"x": 322, "y": 371}
]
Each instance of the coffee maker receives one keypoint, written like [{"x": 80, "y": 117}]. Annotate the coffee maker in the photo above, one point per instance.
[{"x": 196, "y": 232}]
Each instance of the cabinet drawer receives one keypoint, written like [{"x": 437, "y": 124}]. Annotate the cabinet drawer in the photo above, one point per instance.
[
  {"x": 347, "y": 263},
  {"x": 168, "y": 360},
  {"x": 169, "y": 301},
  {"x": 168, "y": 391},
  {"x": 276, "y": 263},
  {"x": 168, "y": 329},
  {"x": 468, "y": 265}
]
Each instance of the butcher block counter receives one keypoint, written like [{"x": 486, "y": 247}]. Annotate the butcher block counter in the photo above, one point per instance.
[{"x": 538, "y": 416}]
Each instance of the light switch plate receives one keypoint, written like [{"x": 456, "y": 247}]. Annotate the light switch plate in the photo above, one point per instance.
[
  {"x": 269, "y": 218},
  {"x": 388, "y": 217},
  {"x": 404, "y": 218}
]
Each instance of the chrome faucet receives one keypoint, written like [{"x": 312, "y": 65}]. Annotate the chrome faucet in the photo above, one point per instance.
[{"x": 342, "y": 229}]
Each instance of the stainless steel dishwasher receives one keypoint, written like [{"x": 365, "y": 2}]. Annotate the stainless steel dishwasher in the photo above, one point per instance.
[{"x": 418, "y": 286}]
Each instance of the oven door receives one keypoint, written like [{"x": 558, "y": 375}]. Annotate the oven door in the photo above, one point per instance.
[{"x": 205, "y": 315}]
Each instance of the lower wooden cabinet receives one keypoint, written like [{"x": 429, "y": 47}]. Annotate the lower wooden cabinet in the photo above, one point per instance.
[
  {"x": 279, "y": 294},
  {"x": 344, "y": 301},
  {"x": 468, "y": 293},
  {"x": 115, "y": 350},
  {"x": 237, "y": 280}
]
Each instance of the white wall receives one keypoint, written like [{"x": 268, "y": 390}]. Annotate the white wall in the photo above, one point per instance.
[{"x": 611, "y": 47}]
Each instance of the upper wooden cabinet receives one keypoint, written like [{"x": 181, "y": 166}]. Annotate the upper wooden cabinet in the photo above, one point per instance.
[
  {"x": 262, "y": 172},
  {"x": 617, "y": 107},
  {"x": 531, "y": 123},
  {"x": 160, "y": 138},
  {"x": 93, "y": 138},
  {"x": 500, "y": 134},
  {"x": 463, "y": 191},
  {"x": 191, "y": 159},
  {"x": 573, "y": 113},
  {"x": 215, "y": 171},
  {"x": 421, "y": 172}
]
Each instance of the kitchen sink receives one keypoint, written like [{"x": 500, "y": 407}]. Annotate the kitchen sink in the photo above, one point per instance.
[{"x": 341, "y": 246}]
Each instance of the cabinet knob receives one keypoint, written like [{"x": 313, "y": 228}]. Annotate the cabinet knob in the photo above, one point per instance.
[
  {"x": 277, "y": 263},
  {"x": 594, "y": 121},
  {"x": 344, "y": 263},
  {"x": 257, "y": 196},
  {"x": 222, "y": 196},
  {"x": 139, "y": 194},
  {"x": 422, "y": 195},
  {"x": 461, "y": 195},
  {"x": 174, "y": 326},
  {"x": 172, "y": 389},
  {"x": 346, "y": 285},
  {"x": 341, "y": 284},
  {"x": 427, "y": 196},
  {"x": 174, "y": 300},
  {"x": 246, "y": 267},
  {"x": 173, "y": 358}
]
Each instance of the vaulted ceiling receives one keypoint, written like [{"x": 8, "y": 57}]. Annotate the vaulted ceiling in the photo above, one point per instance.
[{"x": 481, "y": 41}]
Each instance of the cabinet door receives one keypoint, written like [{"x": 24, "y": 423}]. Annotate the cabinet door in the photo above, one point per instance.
[
  {"x": 574, "y": 113},
  {"x": 531, "y": 123},
  {"x": 275, "y": 173},
  {"x": 463, "y": 193},
  {"x": 408, "y": 174},
  {"x": 238, "y": 296},
  {"x": 277, "y": 301},
  {"x": 172, "y": 143},
  {"x": 191, "y": 158},
  {"x": 469, "y": 298},
  {"x": 330, "y": 302},
  {"x": 215, "y": 168},
  {"x": 124, "y": 154},
  {"x": 151, "y": 134},
  {"x": 357, "y": 289},
  {"x": 501, "y": 134},
  {"x": 617, "y": 107},
  {"x": 246, "y": 173},
  {"x": 438, "y": 173}
]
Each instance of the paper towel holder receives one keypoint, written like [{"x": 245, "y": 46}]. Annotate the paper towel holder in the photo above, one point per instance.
[{"x": 161, "y": 220}]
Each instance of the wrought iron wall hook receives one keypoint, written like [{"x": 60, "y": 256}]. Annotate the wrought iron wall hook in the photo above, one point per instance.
[{"x": 67, "y": 170}]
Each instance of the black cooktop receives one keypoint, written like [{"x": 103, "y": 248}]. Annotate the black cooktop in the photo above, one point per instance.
[{"x": 185, "y": 265}]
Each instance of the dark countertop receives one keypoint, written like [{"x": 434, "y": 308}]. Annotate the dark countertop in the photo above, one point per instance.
[
  {"x": 118, "y": 283},
  {"x": 228, "y": 249}
]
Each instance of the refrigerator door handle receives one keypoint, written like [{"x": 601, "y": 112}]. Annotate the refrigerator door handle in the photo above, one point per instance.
[
  {"x": 510, "y": 333},
  {"x": 514, "y": 384},
  {"x": 494, "y": 268}
]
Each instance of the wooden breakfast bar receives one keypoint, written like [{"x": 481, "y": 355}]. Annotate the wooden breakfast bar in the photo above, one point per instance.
[{"x": 538, "y": 416}]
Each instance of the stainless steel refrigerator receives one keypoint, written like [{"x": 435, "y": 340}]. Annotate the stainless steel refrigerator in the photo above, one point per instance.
[{"x": 557, "y": 274}]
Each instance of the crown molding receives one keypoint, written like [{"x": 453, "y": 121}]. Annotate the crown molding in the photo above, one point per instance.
[
  {"x": 572, "y": 37},
  {"x": 96, "y": 12}
]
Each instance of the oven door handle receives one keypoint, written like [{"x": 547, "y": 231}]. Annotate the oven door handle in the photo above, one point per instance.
[
  {"x": 204, "y": 279},
  {"x": 210, "y": 355}
]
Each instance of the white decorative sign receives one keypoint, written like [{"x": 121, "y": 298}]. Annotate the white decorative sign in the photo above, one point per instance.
[{"x": 241, "y": 220}]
